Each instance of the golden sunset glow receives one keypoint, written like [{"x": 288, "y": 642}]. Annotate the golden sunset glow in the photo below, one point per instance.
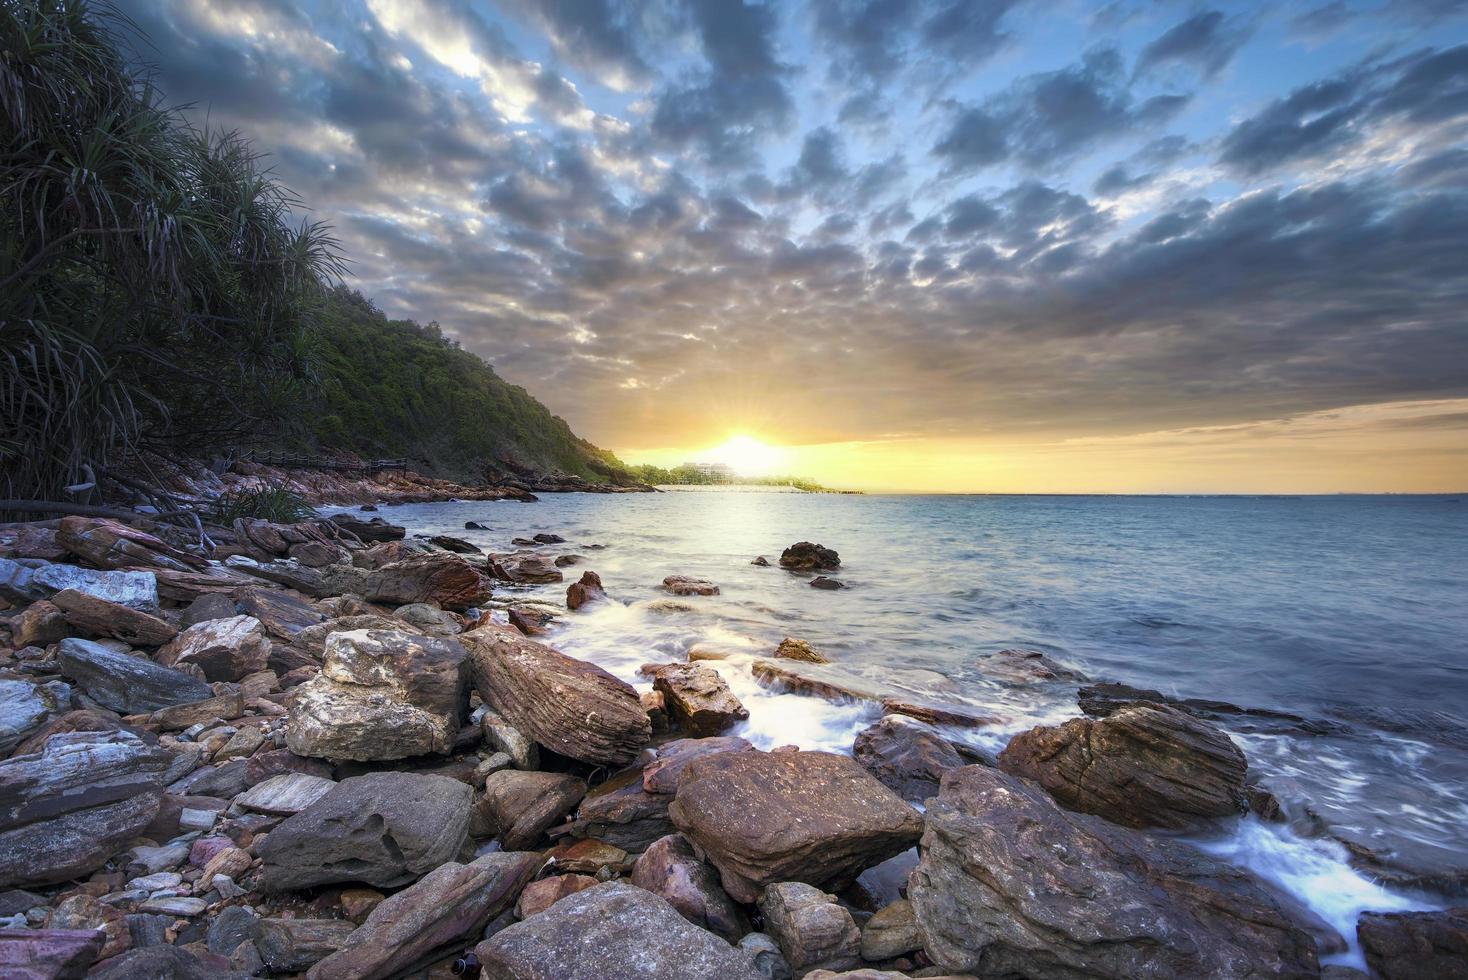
[{"x": 746, "y": 456}]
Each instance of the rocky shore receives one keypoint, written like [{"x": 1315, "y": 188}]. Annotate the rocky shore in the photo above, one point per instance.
[{"x": 332, "y": 750}]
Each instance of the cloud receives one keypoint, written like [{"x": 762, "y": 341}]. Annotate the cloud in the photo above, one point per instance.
[
  {"x": 1207, "y": 41},
  {"x": 593, "y": 35}
]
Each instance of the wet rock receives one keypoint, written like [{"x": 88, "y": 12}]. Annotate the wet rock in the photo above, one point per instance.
[
  {"x": 541, "y": 895},
  {"x": 285, "y": 794},
  {"x": 224, "y": 649},
  {"x": 590, "y": 857},
  {"x": 386, "y": 829},
  {"x": 381, "y": 695},
  {"x": 129, "y": 685},
  {"x": 893, "y": 931},
  {"x": 69, "y": 807},
  {"x": 1144, "y": 766},
  {"x": 504, "y": 737},
  {"x": 24, "y": 706},
  {"x": 611, "y": 930},
  {"x": 935, "y": 713},
  {"x": 440, "y": 578},
  {"x": 661, "y": 775},
  {"x": 656, "y": 707},
  {"x": 698, "y": 699},
  {"x": 906, "y": 756},
  {"x": 763, "y": 817},
  {"x": 524, "y": 568},
  {"x": 805, "y": 556},
  {"x": 586, "y": 590},
  {"x": 92, "y": 616},
  {"x": 1010, "y": 884},
  {"x": 761, "y": 561},
  {"x": 814, "y": 932},
  {"x": 828, "y": 584},
  {"x": 48, "y": 954},
  {"x": 476, "y": 526},
  {"x": 670, "y": 869},
  {"x": 29, "y": 580},
  {"x": 1100, "y": 700},
  {"x": 293, "y": 945},
  {"x": 522, "y": 805},
  {"x": 373, "y": 529},
  {"x": 845, "y": 684},
  {"x": 1415, "y": 945},
  {"x": 457, "y": 545},
  {"x": 531, "y": 622},
  {"x": 569, "y": 706},
  {"x": 38, "y": 625},
  {"x": 687, "y": 585},
  {"x": 429, "y": 919},
  {"x": 622, "y": 813},
  {"x": 1026, "y": 667},
  {"x": 109, "y": 544},
  {"x": 566, "y": 561},
  {"x": 793, "y": 649}
]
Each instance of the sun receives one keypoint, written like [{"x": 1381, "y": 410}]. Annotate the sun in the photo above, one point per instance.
[{"x": 747, "y": 456}]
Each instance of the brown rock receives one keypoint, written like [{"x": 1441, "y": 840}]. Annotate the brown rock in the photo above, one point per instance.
[
  {"x": 521, "y": 805},
  {"x": 439, "y": 577},
  {"x": 541, "y": 895},
  {"x": 893, "y": 931},
  {"x": 375, "y": 529},
  {"x": 587, "y": 856},
  {"x": 224, "y": 649},
  {"x": 686, "y": 585},
  {"x": 37, "y": 625},
  {"x": 1416, "y": 945},
  {"x": 292, "y": 945},
  {"x": 670, "y": 869},
  {"x": 358, "y": 903},
  {"x": 906, "y": 756},
  {"x": 1026, "y": 667},
  {"x": 284, "y": 614},
  {"x": 621, "y": 812},
  {"x": 523, "y": 567},
  {"x": 531, "y": 622},
  {"x": 763, "y": 817},
  {"x": 586, "y": 590},
  {"x": 48, "y": 954},
  {"x": 662, "y": 774},
  {"x": 938, "y": 714},
  {"x": 175, "y": 719},
  {"x": 813, "y": 931},
  {"x": 805, "y": 556},
  {"x": 1144, "y": 766},
  {"x": 698, "y": 699},
  {"x": 828, "y": 584},
  {"x": 106, "y": 543},
  {"x": 656, "y": 707},
  {"x": 793, "y": 649}
]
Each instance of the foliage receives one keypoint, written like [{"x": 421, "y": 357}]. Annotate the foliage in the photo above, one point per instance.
[
  {"x": 154, "y": 286},
  {"x": 689, "y": 475},
  {"x": 275, "y": 504}
]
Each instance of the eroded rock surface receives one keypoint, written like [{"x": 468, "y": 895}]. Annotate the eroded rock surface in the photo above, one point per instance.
[
  {"x": 698, "y": 699},
  {"x": 906, "y": 755}
]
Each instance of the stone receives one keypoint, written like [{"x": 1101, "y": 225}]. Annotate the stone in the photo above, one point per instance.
[
  {"x": 589, "y": 857},
  {"x": 224, "y": 781},
  {"x": 86, "y": 912},
  {"x": 813, "y": 931},
  {"x": 48, "y": 954},
  {"x": 24, "y": 707},
  {"x": 567, "y": 705},
  {"x": 234, "y": 925},
  {"x": 358, "y": 903},
  {"x": 181, "y": 716},
  {"x": 163, "y": 962},
  {"x": 293, "y": 945},
  {"x": 1415, "y": 945},
  {"x": 29, "y": 580},
  {"x": 541, "y": 895},
  {"x": 374, "y": 529},
  {"x": 766, "y": 817},
  {"x": 429, "y": 919},
  {"x": 429, "y": 619},
  {"x": 285, "y": 794},
  {"x": 381, "y": 695},
  {"x": 522, "y": 805},
  {"x": 69, "y": 807},
  {"x": 224, "y": 649},
  {"x": 180, "y": 905},
  {"x": 760, "y": 561},
  {"x": 524, "y": 568},
  {"x": 698, "y": 699},
  {"x": 587, "y": 589},
  {"x": 611, "y": 930},
  {"x": 110, "y": 544},
  {"x": 283, "y": 614},
  {"x": 241, "y": 744},
  {"x": 277, "y": 762},
  {"x": 385, "y": 829},
  {"x": 92, "y": 616},
  {"x": 622, "y": 813},
  {"x": 793, "y": 649},
  {"x": 457, "y": 545},
  {"x": 505, "y": 737},
  {"x": 935, "y": 713},
  {"x": 40, "y": 624},
  {"x": 805, "y": 556},
  {"x": 438, "y": 577},
  {"x": 827, "y": 584},
  {"x": 670, "y": 869},
  {"x": 210, "y": 605},
  {"x": 566, "y": 561},
  {"x": 1009, "y": 884},
  {"x": 893, "y": 931},
  {"x": 768, "y": 960},
  {"x": 1143, "y": 766},
  {"x": 531, "y": 622},
  {"x": 547, "y": 538},
  {"x": 687, "y": 585},
  {"x": 662, "y": 773},
  {"x": 477, "y": 526},
  {"x": 1026, "y": 667},
  {"x": 844, "y": 684},
  {"x": 311, "y": 641},
  {"x": 906, "y": 756}
]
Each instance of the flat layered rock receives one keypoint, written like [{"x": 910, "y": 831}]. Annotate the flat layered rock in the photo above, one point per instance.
[
  {"x": 814, "y": 932},
  {"x": 44, "y": 954},
  {"x": 688, "y": 585},
  {"x": 293, "y": 945},
  {"x": 906, "y": 756},
  {"x": 1146, "y": 765},
  {"x": 178, "y": 717},
  {"x": 24, "y": 707},
  {"x": 373, "y": 529},
  {"x": 438, "y": 577},
  {"x": 522, "y": 805},
  {"x": 127, "y": 685},
  {"x": 524, "y": 568},
  {"x": 698, "y": 699},
  {"x": 224, "y": 649},
  {"x": 283, "y": 614},
  {"x": 285, "y": 794},
  {"x": 661, "y": 775},
  {"x": 94, "y": 616},
  {"x": 31, "y": 579},
  {"x": 111, "y": 544},
  {"x": 569, "y": 706},
  {"x": 1009, "y": 884},
  {"x": 836, "y": 683},
  {"x": 622, "y": 813},
  {"x": 763, "y": 817}
]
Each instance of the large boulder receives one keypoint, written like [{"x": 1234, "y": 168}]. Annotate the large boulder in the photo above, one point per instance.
[
  {"x": 1415, "y": 945},
  {"x": 110, "y": 544},
  {"x": 421, "y": 923},
  {"x": 32, "y": 579},
  {"x": 906, "y": 755},
  {"x": 763, "y": 817},
  {"x": 437, "y": 577},
  {"x": 813, "y": 931},
  {"x": 24, "y": 706},
  {"x": 669, "y": 868},
  {"x": 521, "y": 805},
  {"x": 1009, "y": 884},
  {"x": 386, "y": 829},
  {"x": 1148, "y": 765},
  {"x": 524, "y": 568},
  {"x": 661, "y": 775},
  {"x": 611, "y": 930},
  {"x": 66, "y": 809},
  {"x": 93, "y": 616},
  {"x": 698, "y": 699},
  {"x": 381, "y": 694},
  {"x": 224, "y": 649},
  {"x": 567, "y": 705},
  {"x": 806, "y": 556},
  {"x": 127, "y": 685}
]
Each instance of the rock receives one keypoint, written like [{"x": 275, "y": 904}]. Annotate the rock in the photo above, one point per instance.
[
  {"x": 312, "y": 640},
  {"x": 24, "y": 706},
  {"x": 40, "y": 624},
  {"x": 429, "y": 619},
  {"x": 546, "y": 538},
  {"x": 523, "y": 804},
  {"x": 319, "y": 583},
  {"x": 906, "y": 756},
  {"x": 48, "y": 954},
  {"x": 524, "y": 568},
  {"x": 233, "y": 925},
  {"x": 441, "y": 578},
  {"x": 69, "y": 807},
  {"x": 531, "y": 622},
  {"x": 386, "y": 829},
  {"x": 566, "y": 561},
  {"x": 764, "y": 817},
  {"x": 761, "y": 561},
  {"x": 224, "y": 649},
  {"x": 1009, "y": 884},
  {"x": 98, "y": 617},
  {"x": 670, "y": 869},
  {"x": 805, "y": 556},
  {"x": 285, "y": 794},
  {"x": 277, "y": 762},
  {"x": 381, "y": 695},
  {"x": 611, "y": 930},
  {"x": 844, "y": 684},
  {"x": 210, "y": 605},
  {"x": 476, "y": 526},
  {"x": 429, "y": 919},
  {"x": 828, "y": 584},
  {"x": 181, "y": 716},
  {"x": 1415, "y": 945},
  {"x": 541, "y": 895},
  {"x": 686, "y": 585},
  {"x": 177, "y": 905},
  {"x": 793, "y": 649},
  {"x": 30, "y": 580},
  {"x": 656, "y": 707},
  {"x": 374, "y": 529},
  {"x": 1026, "y": 667},
  {"x": 589, "y": 857},
  {"x": 893, "y": 931},
  {"x": 110, "y": 544},
  {"x": 937, "y": 714},
  {"x": 457, "y": 545},
  {"x": 86, "y": 912},
  {"x": 698, "y": 699},
  {"x": 358, "y": 903},
  {"x": 621, "y": 812},
  {"x": 586, "y": 590},
  {"x": 1144, "y": 766},
  {"x": 293, "y": 945},
  {"x": 662, "y": 774},
  {"x": 224, "y": 781},
  {"x": 814, "y": 932},
  {"x": 567, "y": 705},
  {"x": 283, "y": 614},
  {"x": 162, "y": 962},
  {"x": 504, "y": 737}
]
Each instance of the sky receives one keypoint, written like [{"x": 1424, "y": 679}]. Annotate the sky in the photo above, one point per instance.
[{"x": 915, "y": 244}]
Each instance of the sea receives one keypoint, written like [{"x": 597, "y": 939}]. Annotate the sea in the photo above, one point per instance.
[{"x": 1349, "y": 612}]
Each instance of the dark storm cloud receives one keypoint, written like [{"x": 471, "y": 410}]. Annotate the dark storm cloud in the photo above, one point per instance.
[
  {"x": 1045, "y": 119},
  {"x": 1207, "y": 40}
]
